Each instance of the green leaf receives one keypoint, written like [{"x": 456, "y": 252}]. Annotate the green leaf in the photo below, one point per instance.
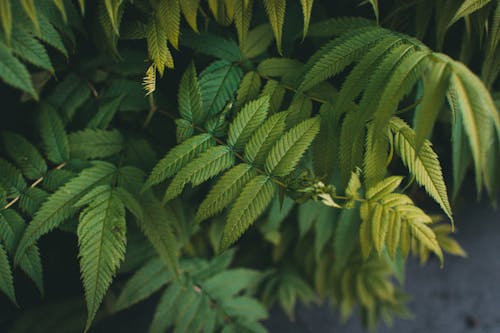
[
  {"x": 165, "y": 311},
  {"x": 375, "y": 7},
  {"x": 69, "y": 95},
  {"x": 102, "y": 242},
  {"x": 384, "y": 187},
  {"x": 218, "y": 83},
  {"x": 27, "y": 47},
  {"x": 225, "y": 191},
  {"x": 207, "y": 165},
  {"x": 242, "y": 18},
  {"x": 156, "y": 225},
  {"x": 337, "y": 26},
  {"x": 276, "y": 92},
  {"x": 156, "y": 36},
  {"x": 13, "y": 72},
  {"x": 11, "y": 179},
  {"x": 276, "y": 12},
  {"x": 62, "y": 10},
  {"x": 423, "y": 164},
  {"x": 25, "y": 155},
  {"x": 189, "y": 98},
  {"x": 6, "y": 18},
  {"x": 105, "y": 113},
  {"x": 59, "y": 206},
  {"x": 189, "y": 9},
  {"x": 6, "y": 280},
  {"x": 112, "y": 7},
  {"x": 29, "y": 8},
  {"x": 435, "y": 86},
  {"x": 247, "y": 121},
  {"x": 91, "y": 144},
  {"x": 229, "y": 283},
  {"x": 406, "y": 73},
  {"x": 332, "y": 58},
  {"x": 346, "y": 236},
  {"x": 258, "y": 41},
  {"x": 249, "y": 88},
  {"x": 178, "y": 157},
  {"x": 251, "y": 203},
  {"x": 306, "y": 11},
  {"x": 212, "y": 45},
  {"x": 54, "y": 137},
  {"x": 288, "y": 150},
  {"x": 146, "y": 281},
  {"x": 466, "y": 8},
  {"x": 263, "y": 139}
]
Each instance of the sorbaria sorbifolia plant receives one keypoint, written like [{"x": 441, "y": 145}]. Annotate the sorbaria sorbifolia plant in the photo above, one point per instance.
[{"x": 226, "y": 155}]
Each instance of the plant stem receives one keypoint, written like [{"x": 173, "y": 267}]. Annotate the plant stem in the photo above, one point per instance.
[{"x": 152, "y": 110}]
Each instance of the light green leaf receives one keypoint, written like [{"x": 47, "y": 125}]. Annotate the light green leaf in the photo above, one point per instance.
[
  {"x": 288, "y": 150},
  {"x": 189, "y": 98},
  {"x": 247, "y": 121},
  {"x": 102, "y": 242},
  {"x": 276, "y": 12},
  {"x": 178, "y": 157},
  {"x": 253, "y": 200},
  {"x": 225, "y": 191}
]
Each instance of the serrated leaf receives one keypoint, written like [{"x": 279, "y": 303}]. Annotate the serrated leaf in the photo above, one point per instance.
[
  {"x": 276, "y": 12},
  {"x": 90, "y": 143},
  {"x": 102, "y": 242},
  {"x": 306, "y": 11},
  {"x": 54, "y": 136},
  {"x": 249, "y": 88},
  {"x": 258, "y": 41},
  {"x": 466, "y": 8},
  {"x": 253, "y": 200},
  {"x": 263, "y": 139},
  {"x": 383, "y": 188},
  {"x": 146, "y": 281},
  {"x": 212, "y": 45},
  {"x": 156, "y": 36},
  {"x": 26, "y": 46},
  {"x": 189, "y": 9},
  {"x": 251, "y": 116},
  {"x": 30, "y": 10},
  {"x": 59, "y": 206},
  {"x": 207, "y": 165},
  {"x": 6, "y": 18},
  {"x": 156, "y": 225},
  {"x": 105, "y": 113},
  {"x": 178, "y": 157},
  {"x": 435, "y": 86},
  {"x": 25, "y": 155},
  {"x": 225, "y": 191},
  {"x": 218, "y": 83},
  {"x": 242, "y": 17},
  {"x": 423, "y": 164},
  {"x": 14, "y": 73},
  {"x": 288, "y": 150},
  {"x": 189, "y": 98},
  {"x": 6, "y": 279}
]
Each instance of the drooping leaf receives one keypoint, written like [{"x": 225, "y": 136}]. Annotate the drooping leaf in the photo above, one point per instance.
[
  {"x": 276, "y": 12},
  {"x": 189, "y": 98},
  {"x": 6, "y": 279},
  {"x": 59, "y": 206},
  {"x": 423, "y": 164},
  {"x": 102, "y": 242}
]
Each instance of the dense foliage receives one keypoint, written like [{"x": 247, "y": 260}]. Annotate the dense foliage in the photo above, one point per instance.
[{"x": 175, "y": 152}]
